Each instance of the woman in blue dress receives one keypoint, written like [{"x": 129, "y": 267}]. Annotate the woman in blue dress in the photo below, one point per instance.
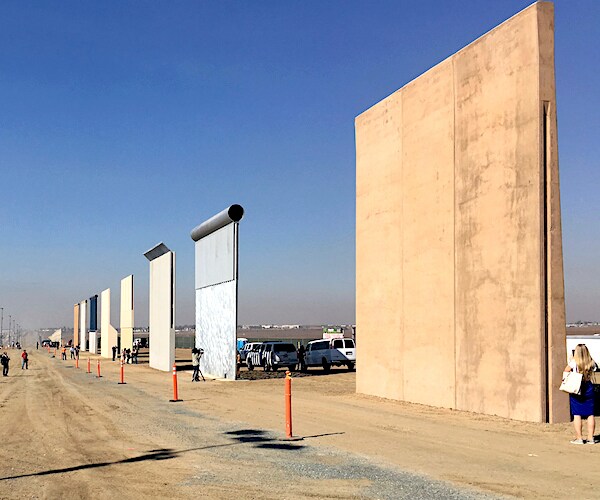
[{"x": 582, "y": 405}]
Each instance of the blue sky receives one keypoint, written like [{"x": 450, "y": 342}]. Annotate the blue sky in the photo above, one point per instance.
[{"x": 126, "y": 123}]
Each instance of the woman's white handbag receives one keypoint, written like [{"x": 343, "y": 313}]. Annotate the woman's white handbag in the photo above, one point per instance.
[{"x": 571, "y": 382}]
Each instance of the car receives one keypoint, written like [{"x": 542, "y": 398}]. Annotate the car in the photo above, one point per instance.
[
  {"x": 278, "y": 354},
  {"x": 254, "y": 355},
  {"x": 244, "y": 351},
  {"x": 330, "y": 352}
]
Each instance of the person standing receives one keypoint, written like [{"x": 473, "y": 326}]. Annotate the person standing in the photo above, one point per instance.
[
  {"x": 4, "y": 360},
  {"x": 25, "y": 362},
  {"x": 582, "y": 405},
  {"x": 114, "y": 351},
  {"x": 37, "y": 346},
  {"x": 64, "y": 353},
  {"x": 301, "y": 359},
  {"x": 195, "y": 364}
]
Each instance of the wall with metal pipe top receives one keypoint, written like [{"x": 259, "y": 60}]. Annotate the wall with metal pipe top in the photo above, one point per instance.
[
  {"x": 216, "y": 251},
  {"x": 234, "y": 213}
]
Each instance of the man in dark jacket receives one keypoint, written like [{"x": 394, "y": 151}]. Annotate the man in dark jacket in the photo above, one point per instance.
[{"x": 4, "y": 360}]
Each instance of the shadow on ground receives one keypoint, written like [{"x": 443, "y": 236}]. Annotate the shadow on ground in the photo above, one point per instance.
[{"x": 256, "y": 437}]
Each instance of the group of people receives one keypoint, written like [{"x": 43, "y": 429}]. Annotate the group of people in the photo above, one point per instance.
[
  {"x": 127, "y": 355},
  {"x": 5, "y": 362},
  {"x": 130, "y": 355}
]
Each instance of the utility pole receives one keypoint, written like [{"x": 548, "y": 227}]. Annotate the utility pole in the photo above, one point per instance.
[
  {"x": 1, "y": 324},
  {"x": 9, "y": 321}
]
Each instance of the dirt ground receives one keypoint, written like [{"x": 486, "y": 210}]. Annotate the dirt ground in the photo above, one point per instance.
[{"x": 68, "y": 434}]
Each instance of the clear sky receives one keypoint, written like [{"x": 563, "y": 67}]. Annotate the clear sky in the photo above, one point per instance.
[{"x": 126, "y": 123}]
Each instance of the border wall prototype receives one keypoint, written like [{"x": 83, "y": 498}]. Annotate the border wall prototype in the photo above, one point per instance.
[
  {"x": 108, "y": 334},
  {"x": 459, "y": 285},
  {"x": 216, "y": 291},
  {"x": 126, "y": 316},
  {"x": 83, "y": 325},
  {"x": 161, "y": 306}
]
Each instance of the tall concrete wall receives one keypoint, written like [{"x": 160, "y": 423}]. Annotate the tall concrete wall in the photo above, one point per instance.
[
  {"x": 83, "y": 325},
  {"x": 216, "y": 242},
  {"x": 93, "y": 342},
  {"x": 459, "y": 293},
  {"x": 76, "y": 322},
  {"x": 126, "y": 322},
  {"x": 108, "y": 334},
  {"x": 162, "y": 307}
]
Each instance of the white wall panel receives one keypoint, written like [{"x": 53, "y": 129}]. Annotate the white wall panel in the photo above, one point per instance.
[
  {"x": 215, "y": 257},
  {"x": 83, "y": 325},
  {"x": 93, "y": 342},
  {"x": 162, "y": 312},
  {"x": 107, "y": 332},
  {"x": 216, "y": 318},
  {"x": 126, "y": 322}
]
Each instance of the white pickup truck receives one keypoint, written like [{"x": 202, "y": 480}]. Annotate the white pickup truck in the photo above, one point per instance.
[{"x": 328, "y": 353}]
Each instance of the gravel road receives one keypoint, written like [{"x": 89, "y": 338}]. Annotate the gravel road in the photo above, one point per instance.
[{"x": 68, "y": 434}]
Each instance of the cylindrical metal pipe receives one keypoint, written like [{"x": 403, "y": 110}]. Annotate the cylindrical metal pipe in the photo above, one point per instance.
[{"x": 234, "y": 213}]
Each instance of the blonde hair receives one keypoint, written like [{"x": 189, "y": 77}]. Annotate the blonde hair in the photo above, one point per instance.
[{"x": 585, "y": 363}]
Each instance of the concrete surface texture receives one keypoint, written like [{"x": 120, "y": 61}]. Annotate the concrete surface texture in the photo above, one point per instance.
[
  {"x": 459, "y": 288},
  {"x": 216, "y": 314},
  {"x": 126, "y": 322},
  {"x": 83, "y": 325},
  {"x": 93, "y": 342},
  {"x": 76, "y": 322},
  {"x": 216, "y": 300},
  {"x": 162, "y": 311},
  {"x": 108, "y": 334}
]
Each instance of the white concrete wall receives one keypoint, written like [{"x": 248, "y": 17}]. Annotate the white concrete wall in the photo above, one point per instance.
[
  {"x": 126, "y": 322},
  {"x": 93, "y": 340},
  {"x": 83, "y": 324},
  {"x": 108, "y": 334},
  {"x": 162, "y": 312}
]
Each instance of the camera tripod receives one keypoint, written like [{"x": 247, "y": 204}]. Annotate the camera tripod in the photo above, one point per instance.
[{"x": 197, "y": 379}]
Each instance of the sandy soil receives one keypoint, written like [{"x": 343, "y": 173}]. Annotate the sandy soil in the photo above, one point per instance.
[{"x": 68, "y": 434}]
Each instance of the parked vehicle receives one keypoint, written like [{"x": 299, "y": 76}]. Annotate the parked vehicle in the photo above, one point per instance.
[
  {"x": 328, "y": 353},
  {"x": 277, "y": 354},
  {"x": 248, "y": 347},
  {"x": 254, "y": 356}
]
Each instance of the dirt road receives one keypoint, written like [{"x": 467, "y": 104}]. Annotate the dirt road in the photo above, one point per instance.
[{"x": 68, "y": 434}]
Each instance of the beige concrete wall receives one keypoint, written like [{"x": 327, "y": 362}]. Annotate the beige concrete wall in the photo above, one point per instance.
[
  {"x": 162, "y": 312},
  {"x": 459, "y": 257},
  {"x": 126, "y": 322},
  {"x": 108, "y": 334}
]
